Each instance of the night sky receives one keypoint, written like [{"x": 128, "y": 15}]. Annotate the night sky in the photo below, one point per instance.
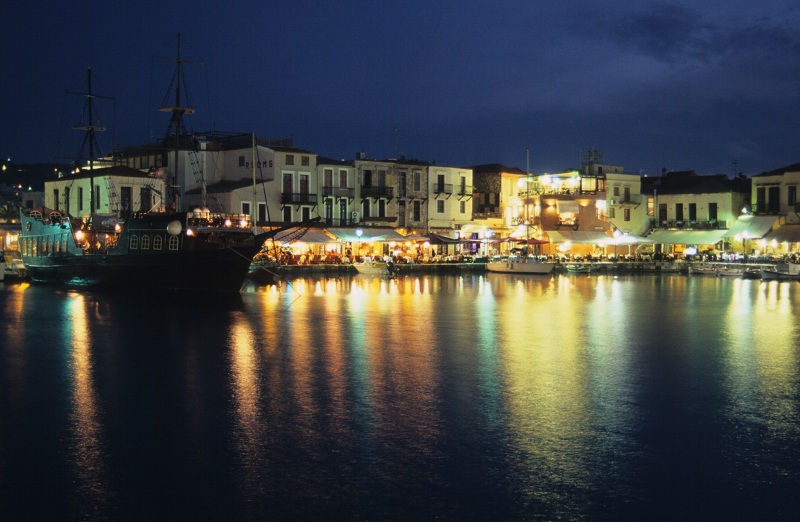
[{"x": 684, "y": 85}]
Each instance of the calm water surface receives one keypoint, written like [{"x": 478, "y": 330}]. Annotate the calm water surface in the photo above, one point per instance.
[{"x": 437, "y": 397}]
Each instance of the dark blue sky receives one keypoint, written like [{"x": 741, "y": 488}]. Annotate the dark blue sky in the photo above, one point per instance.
[{"x": 682, "y": 85}]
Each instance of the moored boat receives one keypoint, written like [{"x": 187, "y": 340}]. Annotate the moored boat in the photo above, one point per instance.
[
  {"x": 703, "y": 270},
  {"x": 730, "y": 272},
  {"x": 153, "y": 250},
  {"x": 781, "y": 272},
  {"x": 577, "y": 268},
  {"x": 516, "y": 265},
  {"x": 376, "y": 267}
]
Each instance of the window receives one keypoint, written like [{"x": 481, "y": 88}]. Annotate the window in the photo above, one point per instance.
[
  {"x": 262, "y": 212},
  {"x": 287, "y": 214},
  {"x": 241, "y": 161},
  {"x": 304, "y": 161},
  {"x": 692, "y": 211},
  {"x": 55, "y": 199},
  {"x": 678, "y": 211},
  {"x": 627, "y": 216},
  {"x": 173, "y": 242},
  {"x": 343, "y": 178},
  {"x": 381, "y": 208},
  {"x": 80, "y": 198},
  {"x": 134, "y": 244},
  {"x": 145, "y": 242},
  {"x": 290, "y": 159},
  {"x": 365, "y": 210},
  {"x": 158, "y": 243},
  {"x": 246, "y": 207},
  {"x": 440, "y": 206},
  {"x": 125, "y": 197},
  {"x": 792, "y": 196},
  {"x": 287, "y": 183},
  {"x": 463, "y": 207},
  {"x": 417, "y": 210},
  {"x": 417, "y": 180},
  {"x": 616, "y": 190},
  {"x": 712, "y": 211},
  {"x": 327, "y": 176}
]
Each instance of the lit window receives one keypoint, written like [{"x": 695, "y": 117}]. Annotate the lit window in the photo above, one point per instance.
[
  {"x": 145, "y": 242},
  {"x": 158, "y": 243},
  {"x": 134, "y": 245},
  {"x": 173, "y": 243}
]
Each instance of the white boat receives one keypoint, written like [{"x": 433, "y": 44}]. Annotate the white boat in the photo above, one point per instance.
[
  {"x": 577, "y": 268},
  {"x": 703, "y": 270},
  {"x": 517, "y": 265},
  {"x": 376, "y": 267}
]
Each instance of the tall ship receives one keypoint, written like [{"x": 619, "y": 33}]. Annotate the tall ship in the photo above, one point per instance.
[{"x": 152, "y": 248}]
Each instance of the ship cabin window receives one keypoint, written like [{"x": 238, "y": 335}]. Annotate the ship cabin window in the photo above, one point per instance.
[
  {"x": 158, "y": 243},
  {"x": 145, "y": 242},
  {"x": 173, "y": 242},
  {"x": 134, "y": 245}
]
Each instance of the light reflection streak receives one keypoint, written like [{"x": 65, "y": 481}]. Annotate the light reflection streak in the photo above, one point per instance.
[
  {"x": 245, "y": 383},
  {"x": 86, "y": 419}
]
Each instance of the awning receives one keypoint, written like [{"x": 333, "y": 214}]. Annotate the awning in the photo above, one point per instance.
[
  {"x": 311, "y": 236},
  {"x": 436, "y": 239},
  {"x": 578, "y": 236},
  {"x": 752, "y": 227},
  {"x": 368, "y": 235},
  {"x": 788, "y": 233},
  {"x": 687, "y": 237}
]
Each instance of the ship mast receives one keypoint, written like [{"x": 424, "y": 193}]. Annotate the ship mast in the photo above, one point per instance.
[
  {"x": 89, "y": 128},
  {"x": 176, "y": 127}
]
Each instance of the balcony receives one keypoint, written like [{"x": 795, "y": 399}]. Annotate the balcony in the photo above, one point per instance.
[
  {"x": 442, "y": 188},
  {"x": 298, "y": 198},
  {"x": 376, "y": 192},
  {"x": 338, "y": 192}
]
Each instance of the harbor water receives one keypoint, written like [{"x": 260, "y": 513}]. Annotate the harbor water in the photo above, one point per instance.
[{"x": 449, "y": 397}]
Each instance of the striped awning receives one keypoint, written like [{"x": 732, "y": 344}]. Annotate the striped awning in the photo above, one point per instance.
[{"x": 687, "y": 237}]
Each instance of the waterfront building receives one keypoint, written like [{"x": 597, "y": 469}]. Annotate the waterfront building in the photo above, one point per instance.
[
  {"x": 338, "y": 192},
  {"x": 117, "y": 190},
  {"x": 695, "y": 211},
  {"x": 497, "y": 203},
  {"x": 774, "y": 193},
  {"x": 450, "y": 201}
]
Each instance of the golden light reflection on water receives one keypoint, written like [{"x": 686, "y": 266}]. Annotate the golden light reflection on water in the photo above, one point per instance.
[
  {"x": 246, "y": 387},
  {"x": 87, "y": 426},
  {"x": 762, "y": 360},
  {"x": 557, "y": 361}
]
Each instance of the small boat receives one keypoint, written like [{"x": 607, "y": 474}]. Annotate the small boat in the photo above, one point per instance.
[
  {"x": 577, "y": 268},
  {"x": 781, "y": 272},
  {"x": 730, "y": 272},
  {"x": 376, "y": 267},
  {"x": 520, "y": 265},
  {"x": 751, "y": 273},
  {"x": 703, "y": 270}
]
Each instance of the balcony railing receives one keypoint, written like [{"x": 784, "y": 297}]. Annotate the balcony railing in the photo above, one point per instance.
[
  {"x": 338, "y": 192},
  {"x": 442, "y": 188},
  {"x": 298, "y": 198},
  {"x": 376, "y": 192}
]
